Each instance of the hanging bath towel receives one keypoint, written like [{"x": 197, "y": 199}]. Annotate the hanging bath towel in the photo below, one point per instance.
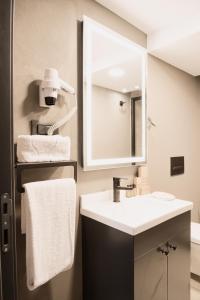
[{"x": 48, "y": 219}]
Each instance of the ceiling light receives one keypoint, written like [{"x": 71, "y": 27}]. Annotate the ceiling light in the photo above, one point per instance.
[{"x": 116, "y": 72}]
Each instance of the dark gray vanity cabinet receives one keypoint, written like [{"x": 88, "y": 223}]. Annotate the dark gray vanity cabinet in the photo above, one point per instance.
[
  {"x": 153, "y": 265},
  {"x": 150, "y": 276},
  {"x": 178, "y": 266}
]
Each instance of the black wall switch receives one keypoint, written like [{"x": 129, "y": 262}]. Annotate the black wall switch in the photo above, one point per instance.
[{"x": 177, "y": 165}]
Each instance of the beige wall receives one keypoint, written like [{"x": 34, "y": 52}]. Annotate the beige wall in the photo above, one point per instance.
[
  {"x": 111, "y": 136},
  {"x": 174, "y": 106},
  {"x": 46, "y": 36}
]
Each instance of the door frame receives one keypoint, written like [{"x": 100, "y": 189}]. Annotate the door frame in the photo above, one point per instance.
[{"x": 8, "y": 257}]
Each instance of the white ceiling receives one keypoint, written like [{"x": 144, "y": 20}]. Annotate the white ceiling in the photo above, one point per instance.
[
  {"x": 128, "y": 82},
  {"x": 172, "y": 28},
  {"x": 113, "y": 55}
]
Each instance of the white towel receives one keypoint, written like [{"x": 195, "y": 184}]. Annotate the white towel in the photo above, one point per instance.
[
  {"x": 48, "y": 218},
  {"x": 37, "y": 148}
]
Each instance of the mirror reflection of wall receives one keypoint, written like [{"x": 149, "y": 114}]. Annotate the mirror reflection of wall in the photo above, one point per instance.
[
  {"x": 116, "y": 116},
  {"x": 111, "y": 129}
]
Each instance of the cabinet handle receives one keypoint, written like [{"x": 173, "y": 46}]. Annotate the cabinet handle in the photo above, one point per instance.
[
  {"x": 163, "y": 251},
  {"x": 174, "y": 247}
]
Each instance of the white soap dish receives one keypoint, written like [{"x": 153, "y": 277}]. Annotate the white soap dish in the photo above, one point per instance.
[{"x": 163, "y": 196}]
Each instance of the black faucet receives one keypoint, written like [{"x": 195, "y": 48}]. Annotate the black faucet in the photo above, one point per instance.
[{"x": 117, "y": 187}]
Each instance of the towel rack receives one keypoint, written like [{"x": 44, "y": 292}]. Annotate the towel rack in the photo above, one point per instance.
[{"x": 20, "y": 167}]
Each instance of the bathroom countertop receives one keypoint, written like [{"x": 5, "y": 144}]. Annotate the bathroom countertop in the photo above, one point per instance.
[{"x": 131, "y": 215}]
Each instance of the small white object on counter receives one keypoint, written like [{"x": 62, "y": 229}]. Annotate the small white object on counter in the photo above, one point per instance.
[
  {"x": 131, "y": 215},
  {"x": 40, "y": 148},
  {"x": 143, "y": 171},
  {"x": 141, "y": 182},
  {"x": 163, "y": 196}
]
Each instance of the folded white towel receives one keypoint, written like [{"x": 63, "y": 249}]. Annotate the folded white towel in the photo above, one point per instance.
[
  {"x": 38, "y": 148},
  {"x": 48, "y": 218}
]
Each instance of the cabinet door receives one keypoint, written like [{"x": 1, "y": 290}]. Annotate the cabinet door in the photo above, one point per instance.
[
  {"x": 150, "y": 276},
  {"x": 179, "y": 267}
]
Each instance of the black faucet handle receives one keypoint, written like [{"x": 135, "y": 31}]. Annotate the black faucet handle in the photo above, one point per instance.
[{"x": 117, "y": 180}]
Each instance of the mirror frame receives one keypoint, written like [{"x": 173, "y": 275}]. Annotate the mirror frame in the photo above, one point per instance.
[{"x": 90, "y": 26}]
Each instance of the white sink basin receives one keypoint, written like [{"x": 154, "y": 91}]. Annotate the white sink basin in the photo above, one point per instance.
[{"x": 131, "y": 215}]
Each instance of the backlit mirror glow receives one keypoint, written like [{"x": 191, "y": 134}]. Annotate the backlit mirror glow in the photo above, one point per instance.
[{"x": 114, "y": 103}]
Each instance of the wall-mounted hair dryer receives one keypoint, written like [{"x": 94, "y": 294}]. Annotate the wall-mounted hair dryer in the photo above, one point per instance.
[{"x": 50, "y": 87}]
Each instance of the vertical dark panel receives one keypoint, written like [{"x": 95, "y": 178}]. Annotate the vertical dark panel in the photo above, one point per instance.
[
  {"x": 6, "y": 143},
  {"x": 80, "y": 89},
  {"x": 133, "y": 140},
  {"x": 108, "y": 257},
  {"x": 150, "y": 278},
  {"x": 179, "y": 266},
  {"x": 133, "y": 125}
]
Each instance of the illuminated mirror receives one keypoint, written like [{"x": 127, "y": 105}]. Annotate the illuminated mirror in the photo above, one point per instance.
[{"x": 114, "y": 98}]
